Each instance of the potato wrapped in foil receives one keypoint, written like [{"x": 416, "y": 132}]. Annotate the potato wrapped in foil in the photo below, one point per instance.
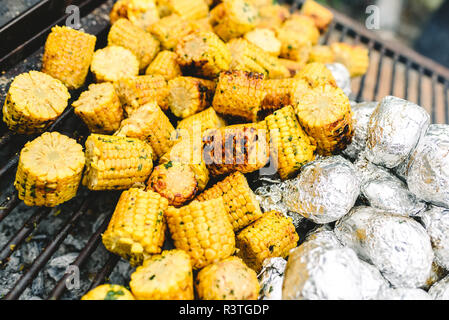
[
  {"x": 372, "y": 281},
  {"x": 271, "y": 278},
  {"x": 440, "y": 290},
  {"x": 403, "y": 294}
]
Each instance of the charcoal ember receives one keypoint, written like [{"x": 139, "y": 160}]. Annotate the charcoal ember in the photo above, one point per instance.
[
  {"x": 394, "y": 130},
  {"x": 372, "y": 281},
  {"x": 271, "y": 277},
  {"x": 403, "y": 294},
  {"x": 342, "y": 77},
  {"x": 440, "y": 290}
]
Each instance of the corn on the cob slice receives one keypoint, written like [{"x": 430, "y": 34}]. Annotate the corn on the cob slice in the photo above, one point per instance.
[
  {"x": 188, "y": 95},
  {"x": 265, "y": 39},
  {"x": 294, "y": 46},
  {"x": 272, "y": 16},
  {"x": 137, "y": 226},
  {"x": 316, "y": 74},
  {"x": 114, "y": 63},
  {"x": 201, "y": 25},
  {"x": 321, "y": 15},
  {"x": 273, "y": 235},
  {"x": 229, "y": 279},
  {"x": 67, "y": 55},
  {"x": 137, "y": 91},
  {"x": 169, "y": 30},
  {"x": 202, "y": 121},
  {"x": 203, "y": 54},
  {"x": 189, "y": 9},
  {"x": 353, "y": 57},
  {"x": 167, "y": 276},
  {"x": 290, "y": 145},
  {"x": 203, "y": 230},
  {"x": 322, "y": 54},
  {"x": 233, "y": 18},
  {"x": 33, "y": 102},
  {"x": 163, "y": 8},
  {"x": 260, "y": 3},
  {"x": 149, "y": 123},
  {"x": 49, "y": 170},
  {"x": 142, "y": 13},
  {"x": 142, "y": 44},
  {"x": 108, "y": 292},
  {"x": 325, "y": 114},
  {"x": 238, "y": 198},
  {"x": 165, "y": 65},
  {"x": 115, "y": 163},
  {"x": 292, "y": 66},
  {"x": 304, "y": 27},
  {"x": 99, "y": 107},
  {"x": 119, "y": 10}
]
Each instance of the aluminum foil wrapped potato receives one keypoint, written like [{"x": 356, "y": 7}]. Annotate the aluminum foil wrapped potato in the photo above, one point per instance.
[
  {"x": 342, "y": 76},
  {"x": 403, "y": 294},
  {"x": 372, "y": 281},
  {"x": 440, "y": 290},
  {"x": 271, "y": 278}
]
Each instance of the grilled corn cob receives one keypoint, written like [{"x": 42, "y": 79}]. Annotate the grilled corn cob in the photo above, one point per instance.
[
  {"x": 322, "y": 54},
  {"x": 49, "y": 170},
  {"x": 136, "y": 230},
  {"x": 33, "y": 102},
  {"x": 233, "y": 18},
  {"x": 304, "y": 27},
  {"x": 169, "y": 30},
  {"x": 188, "y": 95},
  {"x": 142, "y": 44},
  {"x": 167, "y": 276},
  {"x": 229, "y": 279},
  {"x": 260, "y": 3},
  {"x": 272, "y": 16},
  {"x": 238, "y": 198},
  {"x": 203, "y": 54},
  {"x": 205, "y": 120},
  {"x": 325, "y": 114},
  {"x": 165, "y": 65},
  {"x": 292, "y": 66},
  {"x": 316, "y": 74},
  {"x": 265, "y": 39},
  {"x": 203, "y": 230},
  {"x": 162, "y": 8},
  {"x": 114, "y": 163},
  {"x": 321, "y": 15},
  {"x": 290, "y": 145},
  {"x": 189, "y": 9},
  {"x": 142, "y": 13},
  {"x": 67, "y": 55},
  {"x": 353, "y": 57},
  {"x": 201, "y": 25},
  {"x": 114, "y": 63},
  {"x": 273, "y": 235},
  {"x": 149, "y": 123},
  {"x": 294, "y": 46},
  {"x": 100, "y": 108},
  {"x": 108, "y": 292},
  {"x": 119, "y": 10}
]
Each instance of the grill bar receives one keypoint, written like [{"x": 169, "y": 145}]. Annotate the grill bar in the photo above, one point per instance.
[
  {"x": 105, "y": 271},
  {"x": 379, "y": 71},
  {"x": 6, "y": 138},
  {"x": 8, "y": 205}
]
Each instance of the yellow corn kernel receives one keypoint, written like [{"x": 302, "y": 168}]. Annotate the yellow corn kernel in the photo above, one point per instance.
[
  {"x": 304, "y": 27},
  {"x": 322, "y": 54},
  {"x": 189, "y": 9},
  {"x": 142, "y": 13},
  {"x": 201, "y": 25},
  {"x": 165, "y": 65},
  {"x": 265, "y": 39},
  {"x": 292, "y": 66},
  {"x": 316, "y": 74},
  {"x": 202, "y": 121},
  {"x": 273, "y": 235},
  {"x": 119, "y": 10},
  {"x": 353, "y": 57},
  {"x": 272, "y": 16},
  {"x": 320, "y": 14},
  {"x": 108, "y": 292},
  {"x": 114, "y": 63},
  {"x": 49, "y": 170},
  {"x": 294, "y": 46},
  {"x": 169, "y": 30}
]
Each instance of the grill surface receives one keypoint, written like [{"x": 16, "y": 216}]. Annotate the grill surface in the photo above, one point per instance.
[{"x": 393, "y": 70}]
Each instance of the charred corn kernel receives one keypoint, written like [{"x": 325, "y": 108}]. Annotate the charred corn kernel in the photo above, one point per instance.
[
  {"x": 136, "y": 91},
  {"x": 100, "y": 108},
  {"x": 316, "y": 74},
  {"x": 272, "y": 16},
  {"x": 265, "y": 39},
  {"x": 291, "y": 146},
  {"x": 167, "y": 276},
  {"x": 149, "y": 123},
  {"x": 142, "y": 44},
  {"x": 49, "y": 170},
  {"x": 169, "y": 30},
  {"x": 353, "y": 57},
  {"x": 201, "y": 25},
  {"x": 203, "y": 230},
  {"x": 33, "y": 102},
  {"x": 229, "y": 279},
  {"x": 115, "y": 163},
  {"x": 188, "y": 95},
  {"x": 203, "y": 54},
  {"x": 114, "y": 63},
  {"x": 325, "y": 114},
  {"x": 119, "y": 10},
  {"x": 322, "y": 54},
  {"x": 304, "y": 27},
  {"x": 294, "y": 46},
  {"x": 137, "y": 226},
  {"x": 142, "y": 13},
  {"x": 321, "y": 15},
  {"x": 292, "y": 66},
  {"x": 205, "y": 120},
  {"x": 273, "y": 235},
  {"x": 249, "y": 57},
  {"x": 238, "y": 198},
  {"x": 67, "y": 55},
  {"x": 108, "y": 292},
  {"x": 165, "y": 65},
  {"x": 241, "y": 148},
  {"x": 189, "y": 9},
  {"x": 233, "y": 18}
]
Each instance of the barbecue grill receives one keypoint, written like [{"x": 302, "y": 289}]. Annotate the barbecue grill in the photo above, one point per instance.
[{"x": 394, "y": 70}]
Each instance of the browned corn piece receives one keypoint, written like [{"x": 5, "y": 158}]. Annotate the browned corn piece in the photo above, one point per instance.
[
  {"x": 304, "y": 27},
  {"x": 265, "y": 39},
  {"x": 189, "y": 9},
  {"x": 294, "y": 46},
  {"x": 169, "y": 30},
  {"x": 272, "y": 16},
  {"x": 202, "y": 121},
  {"x": 114, "y": 63},
  {"x": 165, "y": 65},
  {"x": 353, "y": 57},
  {"x": 322, "y": 54},
  {"x": 316, "y": 74},
  {"x": 320, "y": 14},
  {"x": 292, "y": 66},
  {"x": 142, "y": 13}
]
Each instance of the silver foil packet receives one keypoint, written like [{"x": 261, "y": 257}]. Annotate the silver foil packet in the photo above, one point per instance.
[
  {"x": 372, "y": 281},
  {"x": 440, "y": 290},
  {"x": 403, "y": 294},
  {"x": 394, "y": 130},
  {"x": 342, "y": 77},
  {"x": 271, "y": 277},
  {"x": 325, "y": 190},
  {"x": 428, "y": 172},
  {"x": 436, "y": 274}
]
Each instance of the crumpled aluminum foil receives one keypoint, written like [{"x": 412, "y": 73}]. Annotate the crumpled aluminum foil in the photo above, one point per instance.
[
  {"x": 395, "y": 128},
  {"x": 436, "y": 274},
  {"x": 342, "y": 77},
  {"x": 361, "y": 114},
  {"x": 325, "y": 236},
  {"x": 440, "y": 290},
  {"x": 271, "y": 277},
  {"x": 325, "y": 190},
  {"x": 428, "y": 173},
  {"x": 398, "y": 246},
  {"x": 372, "y": 281},
  {"x": 403, "y": 294}
]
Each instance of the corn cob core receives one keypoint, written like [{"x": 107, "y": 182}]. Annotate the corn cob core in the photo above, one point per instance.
[
  {"x": 49, "y": 170},
  {"x": 273, "y": 235},
  {"x": 169, "y": 30},
  {"x": 114, "y": 63},
  {"x": 322, "y": 54},
  {"x": 316, "y": 74},
  {"x": 229, "y": 279},
  {"x": 320, "y": 14},
  {"x": 100, "y": 108},
  {"x": 272, "y": 16},
  {"x": 203, "y": 230},
  {"x": 67, "y": 55},
  {"x": 188, "y": 95},
  {"x": 189, "y": 9},
  {"x": 165, "y": 65},
  {"x": 353, "y": 57},
  {"x": 108, "y": 292},
  {"x": 265, "y": 39},
  {"x": 167, "y": 276},
  {"x": 290, "y": 145},
  {"x": 303, "y": 26},
  {"x": 33, "y": 102},
  {"x": 294, "y": 46},
  {"x": 239, "y": 200},
  {"x": 115, "y": 163},
  {"x": 137, "y": 227}
]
